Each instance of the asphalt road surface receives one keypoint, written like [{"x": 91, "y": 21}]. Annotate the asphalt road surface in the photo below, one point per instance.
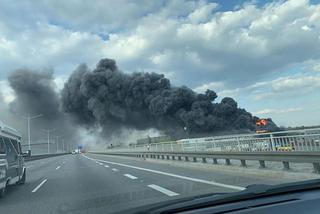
[{"x": 90, "y": 183}]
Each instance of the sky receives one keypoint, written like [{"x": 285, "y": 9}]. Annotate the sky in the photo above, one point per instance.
[{"x": 264, "y": 54}]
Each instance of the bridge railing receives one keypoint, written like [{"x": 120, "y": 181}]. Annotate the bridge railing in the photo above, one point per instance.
[{"x": 301, "y": 140}]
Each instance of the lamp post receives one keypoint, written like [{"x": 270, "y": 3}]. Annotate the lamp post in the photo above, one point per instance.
[
  {"x": 29, "y": 118},
  {"x": 48, "y": 135}
]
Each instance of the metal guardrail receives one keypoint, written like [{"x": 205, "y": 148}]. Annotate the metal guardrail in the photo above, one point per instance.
[
  {"x": 37, "y": 157},
  {"x": 262, "y": 157},
  {"x": 298, "y": 140}
]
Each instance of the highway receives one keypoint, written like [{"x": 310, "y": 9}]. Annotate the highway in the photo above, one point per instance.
[{"x": 88, "y": 183}]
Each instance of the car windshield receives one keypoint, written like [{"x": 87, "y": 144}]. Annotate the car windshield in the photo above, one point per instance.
[{"x": 110, "y": 106}]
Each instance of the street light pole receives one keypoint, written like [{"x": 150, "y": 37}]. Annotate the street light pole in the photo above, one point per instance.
[
  {"x": 28, "y": 118},
  {"x": 57, "y": 143},
  {"x": 29, "y": 133},
  {"x": 48, "y": 135}
]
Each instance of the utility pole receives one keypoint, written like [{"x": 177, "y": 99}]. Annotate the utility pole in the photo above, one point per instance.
[
  {"x": 48, "y": 135},
  {"x": 29, "y": 118},
  {"x": 62, "y": 144}
]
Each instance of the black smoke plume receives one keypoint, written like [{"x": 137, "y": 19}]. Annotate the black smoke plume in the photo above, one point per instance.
[
  {"x": 109, "y": 98},
  {"x": 35, "y": 94}
]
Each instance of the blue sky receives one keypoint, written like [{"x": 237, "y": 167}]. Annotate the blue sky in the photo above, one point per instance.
[{"x": 264, "y": 54}]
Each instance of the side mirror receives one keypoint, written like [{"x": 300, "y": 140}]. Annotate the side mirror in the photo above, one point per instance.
[{"x": 27, "y": 154}]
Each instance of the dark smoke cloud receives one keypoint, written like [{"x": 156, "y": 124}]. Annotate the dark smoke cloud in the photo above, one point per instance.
[
  {"x": 35, "y": 94},
  {"x": 112, "y": 99}
]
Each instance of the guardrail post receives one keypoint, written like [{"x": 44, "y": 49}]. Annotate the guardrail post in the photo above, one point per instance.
[
  {"x": 168, "y": 157},
  {"x": 215, "y": 161},
  {"x": 262, "y": 164},
  {"x": 186, "y": 158},
  {"x": 173, "y": 158},
  {"x": 272, "y": 143},
  {"x": 316, "y": 168},
  {"x": 228, "y": 162},
  {"x": 285, "y": 165},
  {"x": 158, "y": 156},
  {"x": 179, "y": 158},
  {"x": 162, "y": 156},
  {"x": 204, "y": 160},
  {"x": 243, "y": 163},
  {"x": 194, "y": 159}
]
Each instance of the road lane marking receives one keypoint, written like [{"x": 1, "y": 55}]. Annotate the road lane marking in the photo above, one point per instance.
[
  {"x": 163, "y": 190},
  {"x": 35, "y": 189},
  {"x": 106, "y": 166},
  {"x": 63, "y": 162},
  {"x": 58, "y": 167},
  {"x": 100, "y": 163},
  {"x": 130, "y": 176},
  {"x": 116, "y": 170},
  {"x": 175, "y": 175}
]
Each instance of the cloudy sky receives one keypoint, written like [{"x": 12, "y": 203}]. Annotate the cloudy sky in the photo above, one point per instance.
[{"x": 264, "y": 54}]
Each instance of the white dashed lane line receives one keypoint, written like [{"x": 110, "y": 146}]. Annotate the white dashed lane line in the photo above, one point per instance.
[
  {"x": 198, "y": 180},
  {"x": 58, "y": 167},
  {"x": 163, "y": 190},
  {"x": 35, "y": 189},
  {"x": 115, "y": 170},
  {"x": 106, "y": 166},
  {"x": 130, "y": 176}
]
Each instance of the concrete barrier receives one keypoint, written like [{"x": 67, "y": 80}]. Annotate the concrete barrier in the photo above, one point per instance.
[
  {"x": 284, "y": 157},
  {"x": 37, "y": 157}
]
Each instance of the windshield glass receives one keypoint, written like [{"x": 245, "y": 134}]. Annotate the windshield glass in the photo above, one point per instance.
[{"x": 107, "y": 106}]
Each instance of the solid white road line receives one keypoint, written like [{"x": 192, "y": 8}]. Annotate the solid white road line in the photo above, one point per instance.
[
  {"x": 115, "y": 170},
  {"x": 130, "y": 176},
  {"x": 176, "y": 176},
  {"x": 106, "y": 166},
  {"x": 58, "y": 167},
  {"x": 163, "y": 190},
  {"x": 35, "y": 189}
]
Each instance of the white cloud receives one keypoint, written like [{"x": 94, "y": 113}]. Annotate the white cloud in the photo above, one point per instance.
[
  {"x": 212, "y": 86},
  {"x": 203, "y": 13},
  {"x": 6, "y": 93},
  {"x": 285, "y": 87},
  {"x": 238, "y": 47},
  {"x": 276, "y": 111},
  {"x": 192, "y": 42}
]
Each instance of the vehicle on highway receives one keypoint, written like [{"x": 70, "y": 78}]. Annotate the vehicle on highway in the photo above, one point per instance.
[{"x": 12, "y": 168}]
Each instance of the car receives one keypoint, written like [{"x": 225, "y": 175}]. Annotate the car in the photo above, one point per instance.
[
  {"x": 12, "y": 167},
  {"x": 73, "y": 152}
]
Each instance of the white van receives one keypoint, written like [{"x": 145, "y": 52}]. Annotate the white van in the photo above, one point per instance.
[{"x": 12, "y": 168}]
